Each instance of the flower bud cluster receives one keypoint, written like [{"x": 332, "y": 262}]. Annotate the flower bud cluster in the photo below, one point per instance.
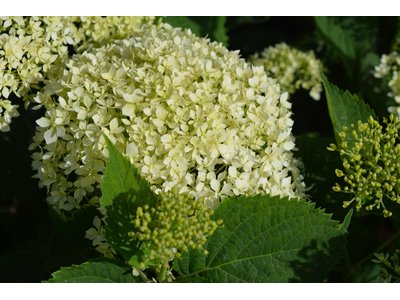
[
  {"x": 292, "y": 68},
  {"x": 177, "y": 222},
  {"x": 31, "y": 46},
  {"x": 391, "y": 265},
  {"x": 371, "y": 159},
  {"x": 389, "y": 69}
]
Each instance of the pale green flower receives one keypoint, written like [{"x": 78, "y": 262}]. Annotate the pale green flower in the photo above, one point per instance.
[
  {"x": 390, "y": 272},
  {"x": 292, "y": 68}
]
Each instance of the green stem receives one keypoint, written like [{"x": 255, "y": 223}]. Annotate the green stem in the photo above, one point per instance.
[
  {"x": 377, "y": 250},
  {"x": 143, "y": 276},
  {"x": 163, "y": 272}
]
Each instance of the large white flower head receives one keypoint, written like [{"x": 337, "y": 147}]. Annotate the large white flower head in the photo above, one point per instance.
[
  {"x": 389, "y": 68},
  {"x": 188, "y": 113},
  {"x": 30, "y": 46},
  {"x": 292, "y": 68}
]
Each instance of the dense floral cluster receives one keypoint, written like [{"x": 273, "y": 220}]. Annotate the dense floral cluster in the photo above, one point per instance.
[
  {"x": 188, "y": 114},
  {"x": 30, "y": 46},
  {"x": 293, "y": 69},
  {"x": 371, "y": 159},
  {"x": 389, "y": 68},
  {"x": 177, "y": 222},
  {"x": 392, "y": 263},
  {"x": 99, "y": 31}
]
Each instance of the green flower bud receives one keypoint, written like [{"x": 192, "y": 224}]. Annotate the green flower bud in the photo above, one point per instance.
[
  {"x": 372, "y": 163},
  {"x": 178, "y": 221}
]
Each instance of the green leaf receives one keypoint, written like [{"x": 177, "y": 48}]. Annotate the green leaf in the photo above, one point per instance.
[
  {"x": 318, "y": 170},
  {"x": 193, "y": 279},
  {"x": 124, "y": 190},
  {"x": 183, "y": 22},
  {"x": 268, "y": 239},
  {"x": 95, "y": 271},
  {"x": 238, "y": 21},
  {"x": 344, "y": 108},
  {"x": 351, "y": 37},
  {"x": 213, "y": 27}
]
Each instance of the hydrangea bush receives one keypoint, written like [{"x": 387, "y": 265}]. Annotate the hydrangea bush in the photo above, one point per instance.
[{"x": 167, "y": 155}]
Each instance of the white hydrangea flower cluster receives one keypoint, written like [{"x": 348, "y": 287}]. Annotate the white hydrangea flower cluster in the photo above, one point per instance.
[
  {"x": 187, "y": 113},
  {"x": 97, "y": 31},
  {"x": 292, "y": 68},
  {"x": 30, "y": 46},
  {"x": 390, "y": 68}
]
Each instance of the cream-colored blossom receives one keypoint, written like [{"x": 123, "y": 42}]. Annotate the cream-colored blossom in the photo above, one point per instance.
[
  {"x": 7, "y": 112},
  {"x": 32, "y": 48},
  {"x": 189, "y": 114},
  {"x": 292, "y": 68}
]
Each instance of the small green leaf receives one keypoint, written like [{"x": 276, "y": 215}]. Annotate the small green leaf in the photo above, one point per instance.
[
  {"x": 124, "y": 190},
  {"x": 268, "y": 239},
  {"x": 344, "y": 108},
  {"x": 95, "y": 271},
  {"x": 183, "y": 22}
]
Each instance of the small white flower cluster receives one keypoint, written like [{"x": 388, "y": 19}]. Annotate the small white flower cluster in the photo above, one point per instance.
[
  {"x": 30, "y": 46},
  {"x": 7, "y": 112},
  {"x": 96, "y": 235},
  {"x": 292, "y": 68},
  {"x": 389, "y": 68}
]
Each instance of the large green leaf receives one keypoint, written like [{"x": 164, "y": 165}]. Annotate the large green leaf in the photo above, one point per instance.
[
  {"x": 344, "y": 108},
  {"x": 124, "y": 190},
  {"x": 96, "y": 271},
  {"x": 268, "y": 239},
  {"x": 213, "y": 27}
]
